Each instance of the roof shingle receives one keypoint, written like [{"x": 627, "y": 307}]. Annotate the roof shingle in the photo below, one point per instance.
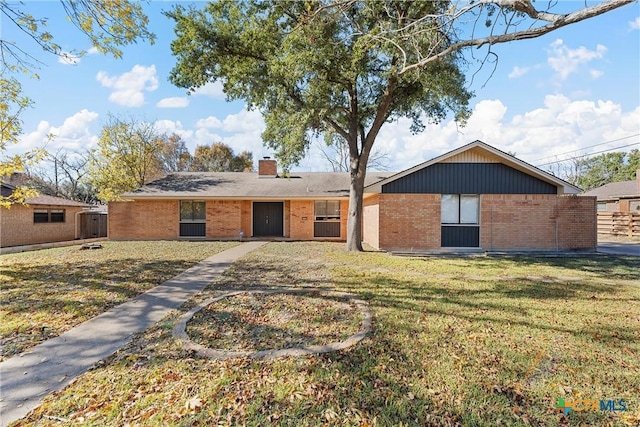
[
  {"x": 249, "y": 185},
  {"x": 613, "y": 190}
]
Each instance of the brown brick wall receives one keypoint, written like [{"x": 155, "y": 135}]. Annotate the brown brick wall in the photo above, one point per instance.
[
  {"x": 245, "y": 221},
  {"x": 286, "y": 226},
  {"x": 267, "y": 167},
  {"x": 301, "y": 219},
  {"x": 153, "y": 219},
  {"x": 344, "y": 215},
  {"x": 409, "y": 221},
  {"x": 371, "y": 221},
  {"x": 578, "y": 222},
  {"x": 159, "y": 219},
  {"x": 17, "y": 226},
  {"x": 224, "y": 218},
  {"x": 517, "y": 221}
]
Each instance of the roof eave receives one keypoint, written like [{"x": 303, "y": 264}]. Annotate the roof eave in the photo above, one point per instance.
[{"x": 250, "y": 198}]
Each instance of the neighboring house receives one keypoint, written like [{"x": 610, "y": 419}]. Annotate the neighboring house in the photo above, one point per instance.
[
  {"x": 43, "y": 219},
  {"x": 618, "y": 196},
  {"x": 475, "y": 196}
]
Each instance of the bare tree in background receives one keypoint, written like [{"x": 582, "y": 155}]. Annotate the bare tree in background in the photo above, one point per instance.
[
  {"x": 63, "y": 174},
  {"x": 337, "y": 155}
]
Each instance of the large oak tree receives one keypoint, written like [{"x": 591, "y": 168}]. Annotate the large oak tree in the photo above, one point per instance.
[{"x": 344, "y": 68}]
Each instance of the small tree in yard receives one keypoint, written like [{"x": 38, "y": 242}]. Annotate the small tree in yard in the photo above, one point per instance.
[
  {"x": 128, "y": 156},
  {"x": 344, "y": 68}
]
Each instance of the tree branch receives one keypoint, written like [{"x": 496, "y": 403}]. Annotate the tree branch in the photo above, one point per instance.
[{"x": 524, "y": 6}]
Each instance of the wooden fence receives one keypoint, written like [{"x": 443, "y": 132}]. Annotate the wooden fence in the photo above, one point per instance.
[
  {"x": 619, "y": 223},
  {"x": 93, "y": 225}
]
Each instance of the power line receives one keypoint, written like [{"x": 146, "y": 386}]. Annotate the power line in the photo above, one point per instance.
[
  {"x": 591, "y": 146},
  {"x": 587, "y": 155}
]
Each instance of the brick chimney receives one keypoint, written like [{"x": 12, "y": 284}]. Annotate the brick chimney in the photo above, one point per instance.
[{"x": 267, "y": 168}]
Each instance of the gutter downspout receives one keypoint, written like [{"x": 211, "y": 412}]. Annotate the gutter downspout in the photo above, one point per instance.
[{"x": 556, "y": 219}]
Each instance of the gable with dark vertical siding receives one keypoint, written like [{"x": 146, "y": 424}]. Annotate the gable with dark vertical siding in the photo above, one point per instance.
[{"x": 469, "y": 178}]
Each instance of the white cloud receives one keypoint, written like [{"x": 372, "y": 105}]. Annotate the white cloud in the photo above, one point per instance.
[
  {"x": 518, "y": 72},
  {"x": 559, "y": 125},
  {"x": 243, "y": 122},
  {"x": 128, "y": 88},
  {"x": 174, "y": 127},
  {"x": 565, "y": 61},
  {"x": 67, "y": 58},
  {"x": 210, "y": 122},
  {"x": 241, "y": 131},
  {"x": 635, "y": 25},
  {"x": 174, "y": 102},
  {"x": 93, "y": 50},
  {"x": 73, "y": 134},
  {"x": 556, "y": 127},
  {"x": 596, "y": 74},
  {"x": 213, "y": 90},
  {"x": 75, "y": 125}
]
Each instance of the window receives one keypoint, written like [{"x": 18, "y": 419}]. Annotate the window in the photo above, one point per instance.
[
  {"x": 327, "y": 218},
  {"x": 193, "y": 215},
  {"x": 326, "y": 210},
  {"x": 57, "y": 215},
  {"x": 460, "y": 209},
  {"x": 41, "y": 216},
  {"x": 602, "y": 206},
  {"x": 192, "y": 211}
]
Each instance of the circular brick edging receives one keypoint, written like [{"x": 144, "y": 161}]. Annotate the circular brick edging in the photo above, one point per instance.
[{"x": 180, "y": 329}]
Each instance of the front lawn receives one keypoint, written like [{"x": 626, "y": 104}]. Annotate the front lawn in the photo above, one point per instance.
[
  {"x": 477, "y": 341},
  {"x": 47, "y": 292}
]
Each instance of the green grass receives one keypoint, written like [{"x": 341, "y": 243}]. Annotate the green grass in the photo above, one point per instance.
[
  {"x": 478, "y": 341},
  {"x": 46, "y": 292}
]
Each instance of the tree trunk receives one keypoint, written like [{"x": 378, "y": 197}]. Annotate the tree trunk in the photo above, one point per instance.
[{"x": 354, "y": 220}]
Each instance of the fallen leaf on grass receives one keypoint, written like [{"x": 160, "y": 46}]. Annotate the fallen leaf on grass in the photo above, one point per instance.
[{"x": 193, "y": 404}]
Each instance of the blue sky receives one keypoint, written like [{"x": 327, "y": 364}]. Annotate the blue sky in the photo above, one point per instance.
[{"x": 573, "y": 91}]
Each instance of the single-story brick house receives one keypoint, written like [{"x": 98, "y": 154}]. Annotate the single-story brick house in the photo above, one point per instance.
[
  {"x": 621, "y": 196},
  {"x": 218, "y": 205},
  {"x": 475, "y": 196},
  {"x": 43, "y": 219}
]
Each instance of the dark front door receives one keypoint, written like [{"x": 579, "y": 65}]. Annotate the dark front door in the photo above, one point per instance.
[{"x": 268, "y": 219}]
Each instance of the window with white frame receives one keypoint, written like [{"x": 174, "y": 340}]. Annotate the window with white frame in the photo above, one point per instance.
[{"x": 460, "y": 209}]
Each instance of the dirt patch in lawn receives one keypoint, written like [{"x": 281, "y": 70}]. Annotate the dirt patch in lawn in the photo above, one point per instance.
[{"x": 267, "y": 324}]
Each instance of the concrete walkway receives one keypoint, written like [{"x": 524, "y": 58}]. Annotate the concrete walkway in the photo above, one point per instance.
[
  {"x": 52, "y": 365},
  {"x": 619, "y": 248}
]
